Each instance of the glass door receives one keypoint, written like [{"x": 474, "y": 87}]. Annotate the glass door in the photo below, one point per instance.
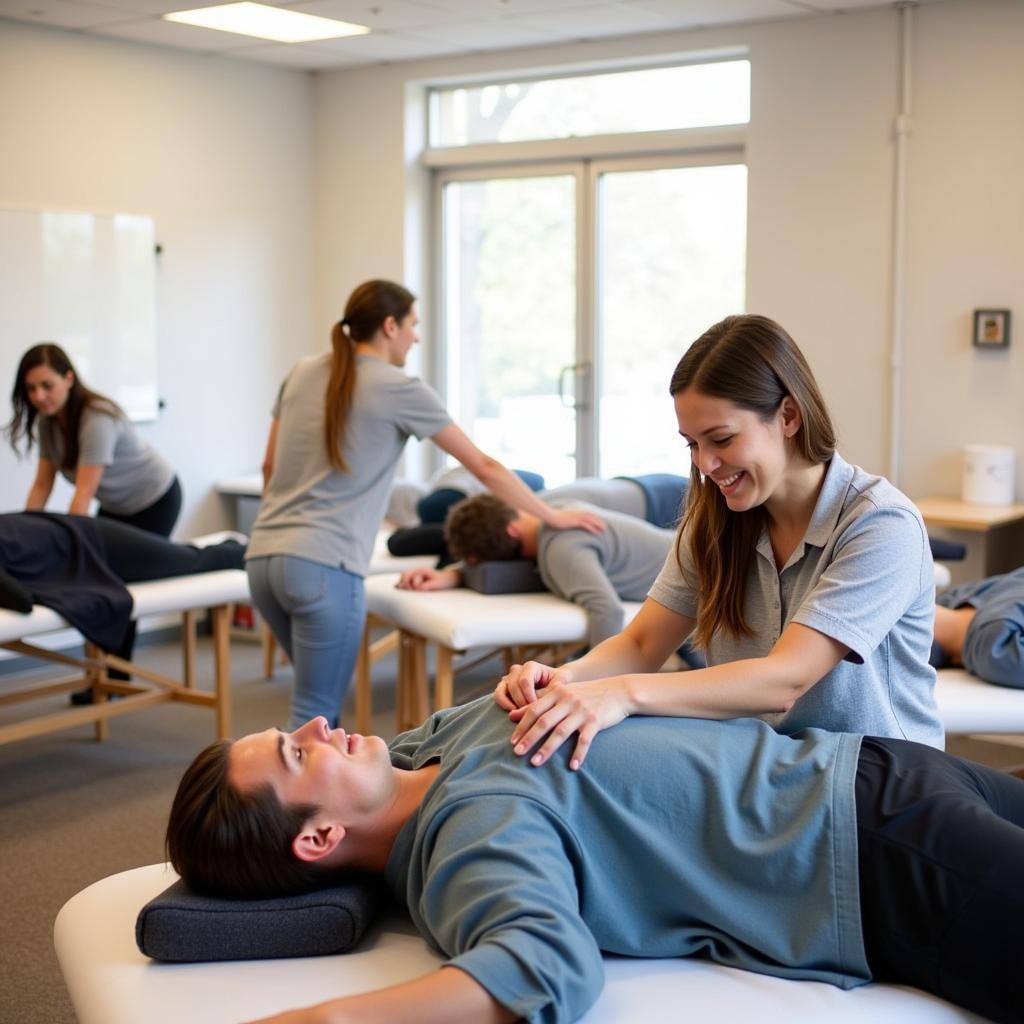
[
  {"x": 670, "y": 262},
  {"x": 510, "y": 315}
]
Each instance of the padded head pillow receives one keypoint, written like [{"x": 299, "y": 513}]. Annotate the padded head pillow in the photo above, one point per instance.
[
  {"x": 181, "y": 927},
  {"x": 516, "y": 576}
]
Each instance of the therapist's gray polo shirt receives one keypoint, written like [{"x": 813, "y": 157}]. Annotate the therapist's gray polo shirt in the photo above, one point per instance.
[
  {"x": 311, "y": 510},
  {"x": 862, "y": 575}
]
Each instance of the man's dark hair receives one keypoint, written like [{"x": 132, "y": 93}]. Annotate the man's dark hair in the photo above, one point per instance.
[
  {"x": 227, "y": 843},
  {"x": 477, "y": 530}
]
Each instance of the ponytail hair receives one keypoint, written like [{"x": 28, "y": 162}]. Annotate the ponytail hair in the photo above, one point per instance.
[
  {"x": 80, "y": 398},
  {"x": 368, "y": 307},
  {"x": 753, "y": 363}
]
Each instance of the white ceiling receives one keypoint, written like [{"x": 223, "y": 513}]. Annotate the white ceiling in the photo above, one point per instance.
[{"x": 413, "y": 29}]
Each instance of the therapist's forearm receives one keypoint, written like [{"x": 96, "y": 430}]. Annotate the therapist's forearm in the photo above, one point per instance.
[
  {"x": 36, "y": 500},
  {"x": 751, "y": 686},
  {"x": 616, "y": 656},
  {"x": 500, "y": 480}
]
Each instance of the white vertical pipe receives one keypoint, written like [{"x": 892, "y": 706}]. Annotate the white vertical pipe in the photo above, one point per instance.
[{"x": 899, "y": 230}]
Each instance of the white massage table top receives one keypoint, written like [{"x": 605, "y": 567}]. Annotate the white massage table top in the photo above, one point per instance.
[
  {"x": 155, "y": 597},
  {"x": 110, "y": 982},
  {"x": 382, "y": 561},
  {"x": 463, "y": 618},
  {"x": 968, "y": 704}
]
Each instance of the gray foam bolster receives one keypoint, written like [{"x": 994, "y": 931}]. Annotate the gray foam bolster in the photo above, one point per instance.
[
  {"x": 517, "y": 576},
  {"x": 181, "y": 927}
]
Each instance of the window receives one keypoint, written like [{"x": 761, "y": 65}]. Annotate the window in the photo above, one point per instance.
[
  {"x": 651, "y": 99},
  {"x": 571, "y": 287}
]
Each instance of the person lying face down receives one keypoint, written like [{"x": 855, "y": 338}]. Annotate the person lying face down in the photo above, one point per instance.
[
  {"x": 980, "y": 625},
  {"x": 597, "y": 572},
  {"x": 816, "y": 856}
]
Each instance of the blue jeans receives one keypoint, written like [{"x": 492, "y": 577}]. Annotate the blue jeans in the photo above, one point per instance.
[{"x": 317, "y": 614}]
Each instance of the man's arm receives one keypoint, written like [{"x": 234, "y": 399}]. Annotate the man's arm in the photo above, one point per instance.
[
  {"x": 429, "y": 579},
  {"x": 445, "y": 996}
]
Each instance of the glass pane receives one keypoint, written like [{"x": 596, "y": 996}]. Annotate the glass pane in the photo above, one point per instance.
[
  {"x": 657, "y": 99},
  {"x": 510, "y": 315},
  {"x": 671, "y": 262}
]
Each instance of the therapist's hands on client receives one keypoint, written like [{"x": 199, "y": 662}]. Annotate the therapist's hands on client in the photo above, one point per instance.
[{"x": 545, "y": 702}]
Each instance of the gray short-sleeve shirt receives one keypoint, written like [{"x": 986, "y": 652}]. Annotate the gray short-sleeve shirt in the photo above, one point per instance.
[
  {"x": 311, "y": 510},
  {"x": 134, "y": 475},
  {"x": 862, "y": 575},
  {"x": 601, "y": 570}
]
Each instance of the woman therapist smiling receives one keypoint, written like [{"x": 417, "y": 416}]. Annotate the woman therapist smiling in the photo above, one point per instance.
[{"x": 807, "y": 581}]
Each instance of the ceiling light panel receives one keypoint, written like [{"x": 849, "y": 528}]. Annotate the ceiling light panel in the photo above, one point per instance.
[{"x": 266, "y": 22}]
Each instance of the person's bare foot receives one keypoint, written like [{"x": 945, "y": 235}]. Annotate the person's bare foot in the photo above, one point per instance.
[{"x": 951, "y": 630}]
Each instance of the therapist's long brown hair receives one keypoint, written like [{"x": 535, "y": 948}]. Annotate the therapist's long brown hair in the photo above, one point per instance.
[
  {"x": 80, "y": 398},
  {"x": 365, "y": 312},
  {"x": 753, "y": 363}
]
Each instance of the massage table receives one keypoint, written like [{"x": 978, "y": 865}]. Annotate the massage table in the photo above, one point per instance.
[
  {"x": 967, "y": 704},
  {"x": 111, "y": 982},
  {"x": 212, "y": 591}
]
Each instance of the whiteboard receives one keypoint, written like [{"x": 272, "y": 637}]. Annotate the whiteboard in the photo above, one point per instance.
[{"x": 87, "y": 282}]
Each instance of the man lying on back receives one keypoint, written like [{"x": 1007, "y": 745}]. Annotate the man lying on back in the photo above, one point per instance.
[{"x": 817, "y": 856}]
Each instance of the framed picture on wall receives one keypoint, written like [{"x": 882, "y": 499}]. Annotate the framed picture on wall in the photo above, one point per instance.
[{"x": 992, "y": 328}]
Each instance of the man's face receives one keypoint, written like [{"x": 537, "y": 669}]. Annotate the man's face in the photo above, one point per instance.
[{"x": 349, "y": 777}]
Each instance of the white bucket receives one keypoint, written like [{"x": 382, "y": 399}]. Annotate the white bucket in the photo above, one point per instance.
[{"x": 988, "y": 474}]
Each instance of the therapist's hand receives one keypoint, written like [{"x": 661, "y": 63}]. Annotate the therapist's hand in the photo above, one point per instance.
[
  {"x": 519, "y": 686},
  {"x": 576, "y": 519},
  {"x": 562, "y": 709}
]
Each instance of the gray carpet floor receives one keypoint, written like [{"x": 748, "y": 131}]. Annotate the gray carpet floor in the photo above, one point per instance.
[{"x": 73, "y": 810}]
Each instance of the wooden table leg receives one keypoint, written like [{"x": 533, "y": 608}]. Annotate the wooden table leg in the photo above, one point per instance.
[
  {"x": 444, "y": 685},
  {"x": 188, "y": 648},
  {"x": 222, "y": 670},
  {"x": 411, "y": 697},
  {"x": 93, "y": 677},
  {"x": 364, "y": 682},
  {"x": 269, "y": 645}
]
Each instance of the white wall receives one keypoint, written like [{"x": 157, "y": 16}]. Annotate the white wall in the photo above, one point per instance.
[
  {"x": 821, "y": 159},
  {"x": 220, "y": 153},
  {"x": 966, "y": 236}
]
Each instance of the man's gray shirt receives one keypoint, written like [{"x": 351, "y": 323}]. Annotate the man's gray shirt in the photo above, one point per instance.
[
  {"x": 677, "y": 837},
  {"x": 601, "y": 570}
]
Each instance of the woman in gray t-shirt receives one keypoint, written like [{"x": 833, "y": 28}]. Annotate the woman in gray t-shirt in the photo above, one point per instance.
[
  {"x": 88, "y": 439},
  {"x": 806, "y": 581},
  {"x": 339, "y": 426}
]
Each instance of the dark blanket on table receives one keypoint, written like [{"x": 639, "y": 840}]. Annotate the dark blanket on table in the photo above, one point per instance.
[{"x": 60, "y": 561}]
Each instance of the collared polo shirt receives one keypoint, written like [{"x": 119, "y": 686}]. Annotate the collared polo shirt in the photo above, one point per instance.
[{"x": 863, "y": 575}]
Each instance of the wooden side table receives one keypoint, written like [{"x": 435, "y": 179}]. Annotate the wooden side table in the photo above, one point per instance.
[{"x": 993, "y": 534}]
